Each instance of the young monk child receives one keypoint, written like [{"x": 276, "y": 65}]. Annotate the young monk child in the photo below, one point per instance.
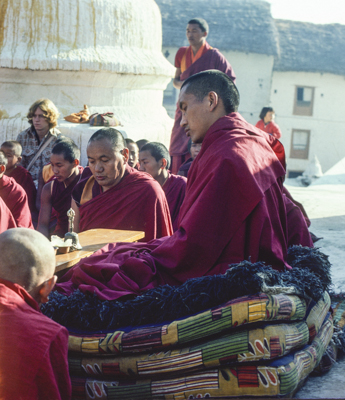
[
  {"x": 14, "y": 196},
  {"x": 13, "y": 151},
  {"x": 33, "y": 354},
  {"x": 133, "y": 160},
  {"x": 193, "y": 149},
  {"x": 56, "y": 194},
  {"x": 155, "y": 159}
]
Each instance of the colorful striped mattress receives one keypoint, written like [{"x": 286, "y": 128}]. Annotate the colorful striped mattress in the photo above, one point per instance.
[{"x": 260, "y": 345}]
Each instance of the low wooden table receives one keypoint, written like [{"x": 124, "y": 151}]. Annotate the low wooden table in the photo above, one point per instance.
[{"x": 93, "y": 240}]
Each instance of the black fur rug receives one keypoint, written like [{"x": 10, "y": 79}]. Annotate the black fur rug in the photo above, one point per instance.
[{"x": 310, "y": 277}]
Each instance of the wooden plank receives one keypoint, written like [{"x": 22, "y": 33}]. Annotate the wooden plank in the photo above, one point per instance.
[{"x": 93, "y": 240}]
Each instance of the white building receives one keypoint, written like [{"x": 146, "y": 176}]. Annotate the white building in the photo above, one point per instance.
[{"x": 297, "y": 68}]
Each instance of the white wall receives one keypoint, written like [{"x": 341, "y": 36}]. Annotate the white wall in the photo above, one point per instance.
[{"x": 327, "y": 124}]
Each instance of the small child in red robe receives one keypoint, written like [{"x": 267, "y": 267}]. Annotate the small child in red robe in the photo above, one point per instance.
[
  {"x": 154, "y": 159},
  {"x": 33, "y": 354},
  {"x": 13, "y": 152},
  {"x": 57, "y": 192}
]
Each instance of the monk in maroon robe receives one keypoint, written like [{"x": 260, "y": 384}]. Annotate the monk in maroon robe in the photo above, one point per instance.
[
  {"x": 155, "y": 160},
  {"x": 233, "y": 208},
  {"x": 199, "y": 56},
  {"x": 118, "y": 196},
  {"x": 13, "y": 151},
  {"x": 6, "y": 218},
  {"x": 57, "y": 193},
  {"x": 14, "y": 197}
]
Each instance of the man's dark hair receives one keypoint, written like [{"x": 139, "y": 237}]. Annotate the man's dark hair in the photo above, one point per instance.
[
  {"x": 264, "y": 111},
  {"x": 113, "y": 135},
  {"x": 202, "y": 83},
  {"x": 13, "y": 145},
  {"x": 3, "y": 158},
  {"x": 203, "y": 25},
  {"x": 131, "y": 141},
  {"x": 66, "y": 147},
  {"x": 157, "y": 151},
  {"x": 142, "y": 142}
]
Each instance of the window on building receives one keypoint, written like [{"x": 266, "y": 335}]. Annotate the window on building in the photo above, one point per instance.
[
  {"x": 300, "y": 144},
  {"x": 304, "y": 99}
]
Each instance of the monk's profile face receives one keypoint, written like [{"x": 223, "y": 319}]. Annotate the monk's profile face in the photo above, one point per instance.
[
  {"x": 133, "y": 154},
  {"x": 196, "y": 118},
  {"x": 12, "y": 159},
  {"x": 107, "y": 164},
  {"x": 62, "y": 168},
  {"x": 149, "y": 164}
]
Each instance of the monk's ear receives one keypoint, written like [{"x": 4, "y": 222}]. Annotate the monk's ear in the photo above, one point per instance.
[
  {"x": 163, "y": 163},
  {"x": 76, "y": 162},
  {"x": 125, "y": 154},
  {"x": 2, "y": 169},
  {"x": 19, "y": 159},
  {"x": 213, "y": 99},
  {"x": 46, "y": 288}
]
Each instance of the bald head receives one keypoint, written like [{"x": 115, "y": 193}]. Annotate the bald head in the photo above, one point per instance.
[{"x": 27, "y": 257}]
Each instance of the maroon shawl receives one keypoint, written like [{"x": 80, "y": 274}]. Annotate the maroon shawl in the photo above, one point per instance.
[
  {"x": 6, "y": 218},
  {"x": 16, "y": 200},
  {"x": 233, "y": 209},
  {"x": 175, "y": 189},
  {"x": 24, "y": 178},
  {"x": 61, "y": 202},
  {"x": 136, "y": 203},
  {"x": 212, "y": 59}
]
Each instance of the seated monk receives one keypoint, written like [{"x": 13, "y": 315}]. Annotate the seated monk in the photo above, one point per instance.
[
  {"x": 33, "y": 354},
  {"x": 6, "y": 218},
  {"x": 14, "y": 197},
  {"x": 133, "y": 160},
  {"x": 57, "y": 193},
  {"x": 233, "y": 208},
  {"x": 155, "y": 159},
  {"x": 118, "y": 196},
  {"x": 13, "y": 151},
  {"x": 194, "y": 149}
]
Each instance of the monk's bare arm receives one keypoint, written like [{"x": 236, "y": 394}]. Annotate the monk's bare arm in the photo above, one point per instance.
[
  {"x": 45, "y": 210},
  {"x": 177, "y": 82},
  {"x": 76, "y": 217}
]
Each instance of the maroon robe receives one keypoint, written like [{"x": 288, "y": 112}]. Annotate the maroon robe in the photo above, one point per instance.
[
  {"x": 6, "y": 218},
  {"x": 298, "y": 233},
  {"x": 175, "y": 189},
  {"x": 136, "y": 203},
  {"x": 212, "y": 59},
  {"x": 233, "y": 210},
  {"x": 61, "y": 202},
  {"x": 33, "y": 363},
  {"x": 16, "y": 200},
  {"x": 24, "y": 178}
]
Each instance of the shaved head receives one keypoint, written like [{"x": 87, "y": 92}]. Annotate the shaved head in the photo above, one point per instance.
[
  {"x": 27, "y": 257},
  {"x": 113, "y": 135}
]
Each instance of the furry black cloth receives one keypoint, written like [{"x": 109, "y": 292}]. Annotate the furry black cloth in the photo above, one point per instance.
[{"x": 310, "y": 277}]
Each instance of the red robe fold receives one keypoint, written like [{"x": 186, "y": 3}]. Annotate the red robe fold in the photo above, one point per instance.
[
  {"x": 175, "y": 189},
  {"x": 61, "y": 202},
  {"x": 136, "y": 203},
  {"x": 24, "y": 178},
  {"x": 211, "y": 59},
  {"x": 6, "y": 218},
  {"x": 16, "y": 200},
  {"x": 233, "y": 210},
  {"x": 298, "y": 233}
]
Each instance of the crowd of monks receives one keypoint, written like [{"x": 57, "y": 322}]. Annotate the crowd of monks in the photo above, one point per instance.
[{"x": 215, "y": 198}]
